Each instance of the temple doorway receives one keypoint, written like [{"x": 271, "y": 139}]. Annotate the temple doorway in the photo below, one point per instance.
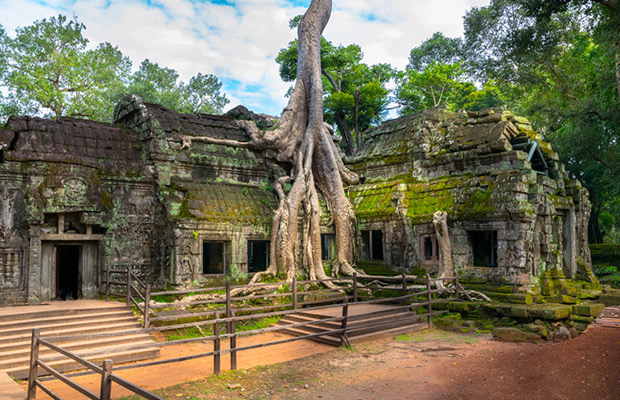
[{"x": 67, "y": 272}]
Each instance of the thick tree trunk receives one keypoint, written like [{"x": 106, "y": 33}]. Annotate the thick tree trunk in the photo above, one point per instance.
[
  {"x": 304, "y": 141},
  {"x": 446, "y": 268}
]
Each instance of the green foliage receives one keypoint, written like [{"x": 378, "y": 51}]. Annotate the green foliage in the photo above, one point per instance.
[
  {"x": 437, "y": 77},
  {"x": 188, "y": 333},
  {"x": 607, "y": 274},
  {"x": 251, "y": 325},
  {"x": 356, "y": 95},
  {"x": 155, "y": 84},
  {"x": 438, "y": 85},
  {"x": 550, "y": 61},
  {"x": 437, "y": 49},
  {"x": 48, "y": 69}
]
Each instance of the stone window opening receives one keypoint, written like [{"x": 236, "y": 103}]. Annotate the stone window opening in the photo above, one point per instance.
[
  {"x": 258, "y": 255},
  {"x": 484, "y": 248},
  {"x": 328, "y": 242},
  {"x": 372, "y": 245},
  {"x": 214, "y": 260},
  {"x": 534, "y": 154},
  {"x": 429, "y": 249}
]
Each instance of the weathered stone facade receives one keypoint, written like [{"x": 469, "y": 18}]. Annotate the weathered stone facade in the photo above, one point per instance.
[
  {"x": 95, "y": 196},
  {"x": 107, "y": 195},
  {"x": 513, "y": 211}
]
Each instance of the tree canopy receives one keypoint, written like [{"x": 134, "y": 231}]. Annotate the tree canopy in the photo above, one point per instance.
[
  {"x": 563, "y": 57},
  {"x": 356, "y": 94},
  {"x": 556, "y": 62},
  {"x": 48, "y": 69}
]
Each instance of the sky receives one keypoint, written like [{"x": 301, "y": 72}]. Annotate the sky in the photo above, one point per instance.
[{"x": 238, "y": 40}]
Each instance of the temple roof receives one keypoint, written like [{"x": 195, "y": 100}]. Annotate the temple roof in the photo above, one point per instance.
[{"x": 69, "y": 140}]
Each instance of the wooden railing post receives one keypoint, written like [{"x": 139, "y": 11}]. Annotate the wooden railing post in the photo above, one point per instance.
[
  {"x": 404, "y": 288},
  {"x": 34, "y": 358},
  {"x": 228, "y": 307},
  {"x": 428, "y": 299},
  {"x": 344, "y": 338},
  {"x": 233, "y": 345},
  {"x": 147, "y": 305},
  {"x": 294, "y": 293},
  {"x": 106, "y": 382},
  {"x": 107, "y": 284},
  {"x": 355, "y": 287},
  {"x": 216, "y": 346},
  {"x": 129, "y": 285},
  {"x": 456, "y": 287}
]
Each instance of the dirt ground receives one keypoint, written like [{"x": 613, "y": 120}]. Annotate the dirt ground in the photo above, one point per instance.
[
  {"x": 432, "y": 365},
  {"x": 429, "y": 364}
]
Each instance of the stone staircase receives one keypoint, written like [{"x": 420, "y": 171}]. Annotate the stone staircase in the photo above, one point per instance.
[
  {"x": 79, "y": 319},
  {"x": 365, "y": 321}
]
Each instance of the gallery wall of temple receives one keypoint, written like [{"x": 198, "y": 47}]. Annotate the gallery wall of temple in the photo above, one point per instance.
[
  {"x": 79, "y": 197},
  {"x": 512, "y": 209}
]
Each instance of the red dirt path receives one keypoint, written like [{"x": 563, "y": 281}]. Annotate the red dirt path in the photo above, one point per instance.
[{"x": 423, "y": 365}]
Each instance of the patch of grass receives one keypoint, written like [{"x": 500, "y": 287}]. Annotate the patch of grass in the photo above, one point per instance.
[
  {"x": 187, "y": 333},
  {"x": 404, "y": 338},
  {"x": 251, "y": 325}
]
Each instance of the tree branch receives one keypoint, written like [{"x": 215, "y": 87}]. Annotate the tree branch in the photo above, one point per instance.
[
  {"x": 598, "y": 159},
  {"x": 607, "y": 4},
  {"x": 331, "y": 79}
]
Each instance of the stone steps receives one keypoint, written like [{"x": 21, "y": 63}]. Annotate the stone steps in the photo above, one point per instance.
[
  {"x": 364, "y": 323},
  {"x": 72, "y": 325}
]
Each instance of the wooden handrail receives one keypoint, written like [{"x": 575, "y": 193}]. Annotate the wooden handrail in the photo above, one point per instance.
[
  {"x": 107, "y": 377},
  {"x": 229, "y": 317}
]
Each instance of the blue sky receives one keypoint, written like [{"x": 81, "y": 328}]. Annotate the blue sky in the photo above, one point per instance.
[{"x": 238, "y": 39}]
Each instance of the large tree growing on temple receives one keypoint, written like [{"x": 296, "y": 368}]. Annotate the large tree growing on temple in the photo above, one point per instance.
[
  {"x": 305, "y": 143},
  {"x": 356, "y": 94}
]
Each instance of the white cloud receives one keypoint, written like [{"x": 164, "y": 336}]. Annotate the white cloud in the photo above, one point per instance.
[{"x": 239, "y": 44}]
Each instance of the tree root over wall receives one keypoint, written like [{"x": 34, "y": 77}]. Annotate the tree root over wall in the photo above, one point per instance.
[{"x": 305, "y": 142}]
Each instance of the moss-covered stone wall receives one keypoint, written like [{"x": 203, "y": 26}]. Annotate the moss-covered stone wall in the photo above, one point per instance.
[{"x": 477, "y": 168}]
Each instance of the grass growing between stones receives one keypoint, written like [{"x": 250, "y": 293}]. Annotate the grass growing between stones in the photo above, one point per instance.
[{"x": 248, "y": 325}]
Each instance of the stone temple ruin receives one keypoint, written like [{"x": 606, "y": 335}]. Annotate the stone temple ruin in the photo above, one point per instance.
[{"x": 78, "y": 197}]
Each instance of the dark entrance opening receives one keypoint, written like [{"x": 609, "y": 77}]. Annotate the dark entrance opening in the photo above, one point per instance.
[
  {"x": 327, "y": 246},
  {"x": 67, "y": 272},
  {"x": 258, "y": 255},
  {"x": 213, "y": 258},
  {"x": 372, "y": 245},
  {"x": 484, "y": 246}
]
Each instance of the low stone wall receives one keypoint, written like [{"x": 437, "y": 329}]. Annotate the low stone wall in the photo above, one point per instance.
[{"x": 605, "y": 253}]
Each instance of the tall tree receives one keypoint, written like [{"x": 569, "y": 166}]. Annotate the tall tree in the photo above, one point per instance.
[
  {"x": 604, "y": 17},
  {"x": 438, "y": 85},
  {"x": 356, "y": 95},
  {"x": 564, "y": 57},
  {"x": 304, "y": 141},
  {"x": 47, "y": 64},
  {"x": 47, "y": 69},
  {"x": 437, "y": 76},
  {"x": 161, "y": 85},
  {"x": 437, "y": 49},
  {"x": 156, "y": 84},
  {"x": 202, "y": 95}
]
